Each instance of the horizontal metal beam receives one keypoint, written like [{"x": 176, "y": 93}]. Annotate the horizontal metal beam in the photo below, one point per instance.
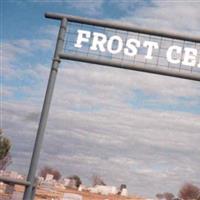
[
  {"x": 14, "y": 181},
  {"x": 122, "y": 26},
  {"x": 154, "y": 70}
]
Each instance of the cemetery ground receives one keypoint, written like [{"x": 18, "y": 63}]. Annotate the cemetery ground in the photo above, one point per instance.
[{"x": 57, "y": 193}]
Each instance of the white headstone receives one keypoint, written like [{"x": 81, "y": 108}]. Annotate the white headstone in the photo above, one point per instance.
[
  {"x": 13, "y": 174},
  {"x": 80, "y": 188},
  {"x": 67, "y": 182},
  {"x": 70, "y": 196},
  {"x": 124, "y": 192},
  {"x": 49, "y": 177},
  {"x": 17, "y": 196}
]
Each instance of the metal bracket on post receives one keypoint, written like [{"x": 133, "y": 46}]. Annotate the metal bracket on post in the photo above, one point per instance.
[{"x": 30, "y": 189}]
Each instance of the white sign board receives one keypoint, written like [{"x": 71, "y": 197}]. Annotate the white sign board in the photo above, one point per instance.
[{"x": 115, "y": 44}]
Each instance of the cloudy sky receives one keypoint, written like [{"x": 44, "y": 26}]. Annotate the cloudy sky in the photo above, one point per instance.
[{"x": 128, "y": 127}]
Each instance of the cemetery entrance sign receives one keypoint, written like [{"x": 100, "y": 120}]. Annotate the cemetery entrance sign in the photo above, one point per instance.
[
  {"x": 115, "y": 45},
  {"x": 124, "y": 46}
]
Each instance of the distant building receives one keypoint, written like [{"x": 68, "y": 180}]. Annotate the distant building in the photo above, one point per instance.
[
  {"x": 11, "y": 174},
  {"x": 124, "y": 192},
  {"x": 103, "y": 189},
  {"x": 49, "y": 177},
  {"x": 122, "y": 186},
  {"x": 72, "y": 182}
]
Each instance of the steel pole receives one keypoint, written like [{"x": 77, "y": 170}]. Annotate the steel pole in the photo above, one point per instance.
[
  {"x": 29, "y": 190},
  {"x": 123, "y": 26},
  {"x": 154, "y": 70}
]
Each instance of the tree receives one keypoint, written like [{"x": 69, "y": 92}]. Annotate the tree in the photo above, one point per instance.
[
  {"x": 166, "y": 196},
  {"x": 48, "y": 170},
  {"x": 97, "y": 180},
  {"x": 76, "y": 179},
  {"x": 159, "y": 196},
  {"x": 189, "y": 191},
  {"x": 5, "y": 146}
]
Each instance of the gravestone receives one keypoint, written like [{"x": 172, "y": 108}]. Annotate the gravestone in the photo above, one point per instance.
[
  {"x": 17, "y": 196},
  {"x": 70, "y": 196}
]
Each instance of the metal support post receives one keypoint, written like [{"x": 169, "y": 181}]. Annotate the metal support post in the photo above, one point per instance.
[{"x": 29, "y": 191}]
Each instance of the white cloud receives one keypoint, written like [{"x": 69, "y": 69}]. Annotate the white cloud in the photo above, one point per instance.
[
  {"x": 89, "y": 7},
  {"x": 13, "y": 48},
  {"x": 91, "y": 121},
  {"x": 49, "y": 31},
  {"x": 175, "y": 16}
]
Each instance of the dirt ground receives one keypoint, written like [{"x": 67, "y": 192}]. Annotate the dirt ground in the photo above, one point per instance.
[
  {"x": 41, "y": 195},
  {"x": 58, "y": 193}
]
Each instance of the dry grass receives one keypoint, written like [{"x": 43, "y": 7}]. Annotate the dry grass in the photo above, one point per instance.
[{"x": 57, "y": 194}]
